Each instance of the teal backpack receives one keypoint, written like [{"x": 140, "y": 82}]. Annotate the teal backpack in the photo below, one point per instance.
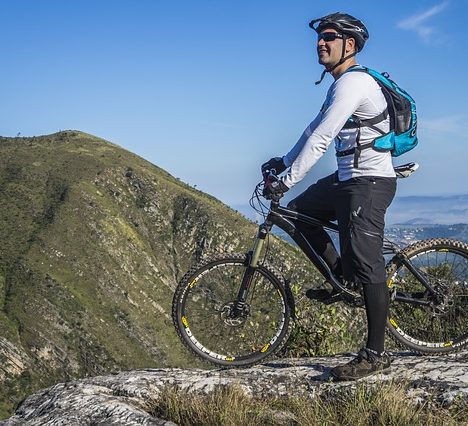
[{"x": 401, "y": 109}]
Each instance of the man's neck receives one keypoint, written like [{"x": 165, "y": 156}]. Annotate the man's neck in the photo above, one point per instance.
[{"x": 343, "y": 67}]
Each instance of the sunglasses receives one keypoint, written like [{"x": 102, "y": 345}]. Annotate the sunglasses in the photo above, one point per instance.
[{"x": 328, "y": 36}]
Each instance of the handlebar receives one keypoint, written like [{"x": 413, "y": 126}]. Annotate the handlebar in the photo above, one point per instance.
[{"x": 269, "y": 179}]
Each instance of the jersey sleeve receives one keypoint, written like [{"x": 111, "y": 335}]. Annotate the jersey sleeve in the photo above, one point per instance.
[
  {"x": 291, "y": 156},
  {"x": 344, "y": 97}
]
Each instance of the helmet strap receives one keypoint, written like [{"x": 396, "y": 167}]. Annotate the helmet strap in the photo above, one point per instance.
[{"x": 343, "y": 58}]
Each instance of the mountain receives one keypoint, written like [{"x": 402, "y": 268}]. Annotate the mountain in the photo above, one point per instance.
[
  {"x": 93, "y": 240},
  {"x": 429, "y": 210}
]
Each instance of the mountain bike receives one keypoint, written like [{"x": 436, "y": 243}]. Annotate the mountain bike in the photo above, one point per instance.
[{"x": 236, "y": 310}]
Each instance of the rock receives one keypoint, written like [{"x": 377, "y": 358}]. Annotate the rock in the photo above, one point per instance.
[
  {"x": 126, "y": 398},
  {"x": 13, "y": 361}
]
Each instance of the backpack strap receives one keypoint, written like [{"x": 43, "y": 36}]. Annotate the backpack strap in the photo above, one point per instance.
[{"x": 356, "y": 123}]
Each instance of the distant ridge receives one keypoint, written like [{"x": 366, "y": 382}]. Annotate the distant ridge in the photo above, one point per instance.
[
  {"x": 407, "y": 233},
  {"x": 443, "y": 210}
]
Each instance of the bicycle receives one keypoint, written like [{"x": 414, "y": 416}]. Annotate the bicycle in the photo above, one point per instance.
[{"x": 235, "y": 310}]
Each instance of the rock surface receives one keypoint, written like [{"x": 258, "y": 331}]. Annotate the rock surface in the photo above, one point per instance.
[{"x": 126, "y": 398}]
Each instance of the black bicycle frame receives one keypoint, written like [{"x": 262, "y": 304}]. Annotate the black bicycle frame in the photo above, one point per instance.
[{"x": 286, "y": 219}]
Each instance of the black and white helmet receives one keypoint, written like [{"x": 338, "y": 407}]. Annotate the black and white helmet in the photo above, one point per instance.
[{"x": 345, "y": 24}]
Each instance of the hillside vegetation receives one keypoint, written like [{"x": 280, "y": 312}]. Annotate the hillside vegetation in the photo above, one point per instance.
[{"x": 93, "y": 241}]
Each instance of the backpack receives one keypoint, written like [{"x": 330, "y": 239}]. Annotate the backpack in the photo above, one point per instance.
[{"x": 401, "y": 109}]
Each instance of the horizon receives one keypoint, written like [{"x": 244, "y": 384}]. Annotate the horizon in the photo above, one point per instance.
[{"x": 210, "y": 91}]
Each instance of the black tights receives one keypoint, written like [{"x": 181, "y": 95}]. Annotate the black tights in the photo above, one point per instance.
[{"x": 377, "y": 299}]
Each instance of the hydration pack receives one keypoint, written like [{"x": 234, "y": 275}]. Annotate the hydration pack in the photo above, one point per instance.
[{"x": 401, "y": 109}]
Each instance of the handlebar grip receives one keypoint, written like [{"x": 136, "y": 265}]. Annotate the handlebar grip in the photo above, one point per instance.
[{"x": 270, "y": 175}]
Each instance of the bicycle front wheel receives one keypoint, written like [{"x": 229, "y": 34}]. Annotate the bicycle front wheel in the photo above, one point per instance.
[
  {"x": 418, "y": 319},
  {"x": 203, "y": 306}
]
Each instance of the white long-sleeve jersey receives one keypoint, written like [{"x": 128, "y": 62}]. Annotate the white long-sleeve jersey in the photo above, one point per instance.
[{"x": 352, "y": 93}]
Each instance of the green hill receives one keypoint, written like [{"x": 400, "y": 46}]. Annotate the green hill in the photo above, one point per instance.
[{"x": 93, "y": 241}]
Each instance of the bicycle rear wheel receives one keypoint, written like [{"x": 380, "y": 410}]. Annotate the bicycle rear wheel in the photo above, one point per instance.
[
  {"x": 440, "y": 323},
  {"x": 203, "y": 305}
]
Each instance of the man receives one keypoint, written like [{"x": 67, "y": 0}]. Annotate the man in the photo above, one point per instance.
[{"x": 359, "y": 193}]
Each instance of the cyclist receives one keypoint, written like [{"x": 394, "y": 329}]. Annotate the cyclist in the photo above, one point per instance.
[{"x": 358, "y": 194}]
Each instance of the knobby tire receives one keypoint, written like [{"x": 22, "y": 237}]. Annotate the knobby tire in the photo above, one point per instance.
[
  {"x": 204, "y": 298},
  {"x": 442, "y": 325}
]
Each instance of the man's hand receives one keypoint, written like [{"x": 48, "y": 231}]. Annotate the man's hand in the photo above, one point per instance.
[
  {"x": 274, "y": 189},
  {"x": 275, "y": 163}
]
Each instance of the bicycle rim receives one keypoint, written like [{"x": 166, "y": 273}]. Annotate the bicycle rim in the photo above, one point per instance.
[
  {"x": 206, "y": 298},
  {"x": 442, "y": 325}
]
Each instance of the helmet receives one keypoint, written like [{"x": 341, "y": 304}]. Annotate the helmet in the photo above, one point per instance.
[{"x": 345, "y": 24}]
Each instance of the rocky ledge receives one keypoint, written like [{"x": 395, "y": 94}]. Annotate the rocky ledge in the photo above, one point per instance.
[{"x": 125, "y": 398}]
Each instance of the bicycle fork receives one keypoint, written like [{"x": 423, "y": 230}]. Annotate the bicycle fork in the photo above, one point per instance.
[{"x": 253, "y": 257}]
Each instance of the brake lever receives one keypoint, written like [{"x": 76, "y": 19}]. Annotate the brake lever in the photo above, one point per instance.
[{"x": 270, "y": 176}]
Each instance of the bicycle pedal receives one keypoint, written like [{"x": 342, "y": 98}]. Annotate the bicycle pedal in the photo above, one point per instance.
[
  {"x": 333, "y": 299},
  {"x": 354, "y": 300}
]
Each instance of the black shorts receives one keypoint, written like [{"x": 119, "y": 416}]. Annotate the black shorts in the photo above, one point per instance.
[{"x": 359, "y": 205}]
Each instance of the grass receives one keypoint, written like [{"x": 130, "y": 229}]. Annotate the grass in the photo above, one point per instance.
[{"x": 383, "y": 404}]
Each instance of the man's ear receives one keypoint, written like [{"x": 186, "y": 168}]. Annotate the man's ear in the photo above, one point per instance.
[{"x": 350, "y": 44}]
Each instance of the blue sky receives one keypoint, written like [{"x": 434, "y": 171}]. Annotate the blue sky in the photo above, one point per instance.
[{"x": 210, "y": 89}]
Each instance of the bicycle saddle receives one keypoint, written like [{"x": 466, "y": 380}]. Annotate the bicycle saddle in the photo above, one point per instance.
[{"x": 406, "y": 170}]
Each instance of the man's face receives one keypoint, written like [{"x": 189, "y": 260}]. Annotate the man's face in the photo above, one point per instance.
[{"x": 329, "y": 52}]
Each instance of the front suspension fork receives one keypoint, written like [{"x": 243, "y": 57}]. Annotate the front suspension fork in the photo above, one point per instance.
[{"x": 251, "y": 262}]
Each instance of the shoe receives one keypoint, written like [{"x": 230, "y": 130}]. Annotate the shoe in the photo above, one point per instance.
[
  {"x": 366, "y": 363},
  {"x": 321, "y": 294},
  {"x": 327, "y": 294}
]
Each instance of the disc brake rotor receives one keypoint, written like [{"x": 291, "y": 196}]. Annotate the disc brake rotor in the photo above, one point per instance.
[{"x": 234, "y": 319}]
